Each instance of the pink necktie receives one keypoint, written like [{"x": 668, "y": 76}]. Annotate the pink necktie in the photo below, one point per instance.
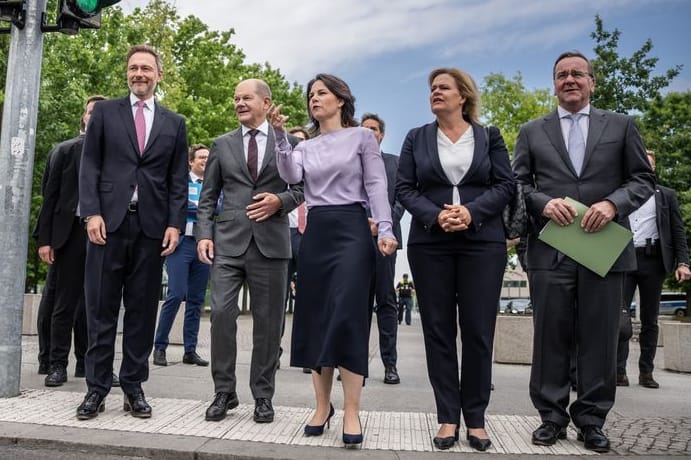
[
  {"x": 302, "y": 218},
  {"x": 140, "y": 126}
]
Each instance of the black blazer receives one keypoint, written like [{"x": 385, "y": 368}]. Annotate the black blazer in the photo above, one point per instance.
[
  {"x": 60, "y": 194},
  {"x": 423, "y": 188},
  {"x": 111, "y": 167},
  {"x": 670, "y": 228},
  {"x": 397, "y": 210}
]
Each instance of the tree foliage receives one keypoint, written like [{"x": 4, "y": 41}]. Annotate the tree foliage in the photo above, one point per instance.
[
  {"x": 625, "y": 84},
  {"x": 507, "y": 104},
  {"x": 201, "y": 69}
]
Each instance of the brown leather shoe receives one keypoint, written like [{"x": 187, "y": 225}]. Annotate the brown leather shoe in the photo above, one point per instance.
[
  {"x": 645, "y": 379},
  {"x": 622, "y": 380}
]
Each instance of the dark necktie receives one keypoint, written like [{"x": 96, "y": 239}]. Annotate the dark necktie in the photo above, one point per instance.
[
  {"x": 252, "y": 153},
  {"x": 199, "y": 181}
]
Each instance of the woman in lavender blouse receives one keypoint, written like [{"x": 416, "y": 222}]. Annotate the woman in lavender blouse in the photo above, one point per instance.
[{"x": 344, "y": 176}]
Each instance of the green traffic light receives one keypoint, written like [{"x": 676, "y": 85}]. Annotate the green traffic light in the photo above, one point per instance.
[{"x": 88, "y": 6}]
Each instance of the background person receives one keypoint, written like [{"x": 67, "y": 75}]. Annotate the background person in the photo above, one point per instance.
[
  {"x": 660, "y": 241},
  {"x": 187, "y": 275},
  {"x": 596, "y": 157},
  {"x": 455, "y": 179},
  {"x": 405, "y": 290},
  {"x": 343, "y": 174}
]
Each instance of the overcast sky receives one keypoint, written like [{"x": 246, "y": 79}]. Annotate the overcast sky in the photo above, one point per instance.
[{"x": 385, "y": 49}]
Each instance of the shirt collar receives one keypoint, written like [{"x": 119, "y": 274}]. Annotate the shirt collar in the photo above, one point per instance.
[
  {"x": 563, "y": 113},
  {"x": 148, "y": 103},
  {"x": 194, "y": 177},
  {"x": 263, "y": 128}
]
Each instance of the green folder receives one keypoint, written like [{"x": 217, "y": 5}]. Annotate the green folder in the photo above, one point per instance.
[{"x": 595, "y": 251}]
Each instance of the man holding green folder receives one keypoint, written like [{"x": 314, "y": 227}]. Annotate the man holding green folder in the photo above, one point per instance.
[{"x": 596, "y": 158}]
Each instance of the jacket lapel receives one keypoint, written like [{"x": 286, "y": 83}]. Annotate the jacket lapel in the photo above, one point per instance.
[
  {"x": 481, "y": 150},
  {"x": 237, "y": 149},
  {"x": 159, "y": 119},
  {"x": 270, "y": 153},
  {"x": 596, "y": 126},
  {"x": 552, "y": 128},
  {"x": 128, "y": 123},
  {"x": 431, "y": 140}
]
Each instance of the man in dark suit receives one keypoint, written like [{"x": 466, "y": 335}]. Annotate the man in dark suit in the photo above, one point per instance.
[
  {"x": 596, "y": 157},
  {"x": 133, "y": 197},
  {"x": 62, "y": 244},
  {"x": 382, "y": 288},
  {"x": 660, "y": 241},
  {"x": 248, "y": 242}
]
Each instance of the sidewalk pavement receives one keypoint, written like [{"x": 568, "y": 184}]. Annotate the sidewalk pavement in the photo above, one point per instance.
[{"x": 399, "y": 421}]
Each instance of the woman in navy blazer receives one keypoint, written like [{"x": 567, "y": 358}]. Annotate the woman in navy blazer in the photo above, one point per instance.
[{"x": 454, "y": 178}]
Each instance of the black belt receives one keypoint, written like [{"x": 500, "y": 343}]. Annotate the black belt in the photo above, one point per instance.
[{"x": 132, "y": 206}]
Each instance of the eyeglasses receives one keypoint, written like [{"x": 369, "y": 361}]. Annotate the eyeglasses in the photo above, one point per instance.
[{"x": 577, "y": 74}]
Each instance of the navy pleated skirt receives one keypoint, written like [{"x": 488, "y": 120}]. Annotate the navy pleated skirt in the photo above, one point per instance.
[{"x": 335, "y": 267}]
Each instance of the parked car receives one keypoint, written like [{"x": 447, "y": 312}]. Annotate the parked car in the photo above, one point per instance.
[
  {"x": 515, "y": 306},
  {"x": 673, "y": 303}
]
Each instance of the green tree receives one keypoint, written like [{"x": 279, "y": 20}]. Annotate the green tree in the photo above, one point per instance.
[
  {"x": 507, "y": 104},
  {"x": 624, "y": 84},
  {"x": 201, "y": 68}
]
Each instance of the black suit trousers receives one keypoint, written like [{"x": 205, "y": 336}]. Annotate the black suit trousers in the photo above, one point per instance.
[
  {"x": 649, "y": 278},
  {"x": 458, "y": 284},
  {"x": 127, "y": 268},
  {"x": 383, "y": 293},
  {"x": 69, "y": 294},
  {"x": 574, "y": 306}
]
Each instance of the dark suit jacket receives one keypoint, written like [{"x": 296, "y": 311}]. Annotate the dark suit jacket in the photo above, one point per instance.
[
  {"x": 615, "y": 168},
  {"x": 60, "y": 194},
  {"x": 670, "y": 228},
  {"x": 423, "y": 188},
  {"x": 397, "y": 210},
  {"x": 111, "y": 167},
  {"x": 226, "y": 171}
]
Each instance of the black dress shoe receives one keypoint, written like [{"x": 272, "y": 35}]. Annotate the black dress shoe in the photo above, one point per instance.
[
  {"x": 447, "y": 442},
  {"x": 263, "y": 410},
  {"x": 593, "y": 438},
  {"x": 306, "y": 370},
  {"x": 43, "y": 368},
  {"x": 222, "y": 403},
  {"x": 56, "y": 377},
  {"x": 193, "y": 358},
  {"x": 136, "y": 404},
  {"x": 92, "y": 405},
  {"x": 79, "y": 370},
  {"x": 477, "y": 443},
  {"x": 391, "y": 375},
  {"x": 115, "y": 382},
  {"x": 548, "y": 433},
  {"x": 160, "y": 358},
  {"x": 622, "y": 380},
  {"x": 646, "y": 380}
]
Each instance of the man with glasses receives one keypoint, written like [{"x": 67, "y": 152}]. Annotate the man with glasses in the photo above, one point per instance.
[{"x": 595, "y": 157}]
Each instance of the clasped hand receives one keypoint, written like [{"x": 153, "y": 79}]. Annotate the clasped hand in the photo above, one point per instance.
[{"x": 454, "y": 218}]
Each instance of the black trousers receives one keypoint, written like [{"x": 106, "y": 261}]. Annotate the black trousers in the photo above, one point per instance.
[
  {"x": 383, "y": 293},
  {"x": 649, "y": 278},
  {"x": 459, "y": 284},
  {"x": 126, "y": 269},
  {"x": 573, "y": 306},
  {"x": 69, "y": 295}
]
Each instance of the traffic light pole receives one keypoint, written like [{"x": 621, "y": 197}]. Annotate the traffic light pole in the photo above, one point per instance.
[{"x": 17, "y": 144}]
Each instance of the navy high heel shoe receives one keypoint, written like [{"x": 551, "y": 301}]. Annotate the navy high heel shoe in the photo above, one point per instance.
[
  {"x": 352, "y": 441},
  {"x": 318, "y": 430},
  {"x": 447, "y": 442}
]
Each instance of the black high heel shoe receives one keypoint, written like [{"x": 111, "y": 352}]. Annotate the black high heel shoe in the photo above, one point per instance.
[
  {"x": 318, "y": 430},
  {"x": 447, "y": 442},
  {"x": 352, "y": 441},
  {"x": 477, "y": 443}
]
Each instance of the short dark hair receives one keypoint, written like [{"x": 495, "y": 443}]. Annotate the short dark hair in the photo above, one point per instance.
[
  {"x": 299, "y": 129},
  {"x": 194, "y": 148},
  {"x": 145, "y": 49},
  {"x": 570, "y": 54},
  {"x": 89, "y": 100},
  {"x": 405, "y": 275},
  {"x": 341, "y": 90},
  {"x": 373, "y": 116}
]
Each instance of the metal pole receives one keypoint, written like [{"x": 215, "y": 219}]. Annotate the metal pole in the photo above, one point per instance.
[{"x": 17, "y": 144}]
